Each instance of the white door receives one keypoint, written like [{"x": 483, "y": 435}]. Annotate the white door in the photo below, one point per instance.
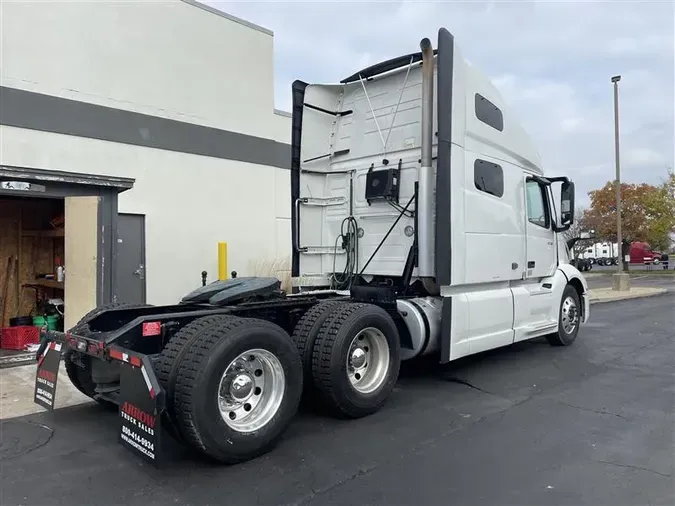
[{"x": 540, "y": 256}]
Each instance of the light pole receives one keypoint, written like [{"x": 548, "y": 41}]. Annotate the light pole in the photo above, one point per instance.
[{"x": 621, "y": 280}]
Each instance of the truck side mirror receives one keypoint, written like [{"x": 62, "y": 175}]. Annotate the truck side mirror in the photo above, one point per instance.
[
  {"x": 567, "y": 204},
  {"x": 587, "y": 234}
]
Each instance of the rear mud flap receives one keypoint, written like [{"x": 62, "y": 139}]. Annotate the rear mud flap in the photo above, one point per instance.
[
  {"x": 47, "y": 373},
  {"x": 141, "y": 399},
  {"x": 141, "y": 406}
]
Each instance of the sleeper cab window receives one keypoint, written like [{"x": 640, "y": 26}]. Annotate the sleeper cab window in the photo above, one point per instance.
[
  {"x": 489, "y": 113},
  {"x": 488, "y": 177},
  {"x": 536, "y": 204}
]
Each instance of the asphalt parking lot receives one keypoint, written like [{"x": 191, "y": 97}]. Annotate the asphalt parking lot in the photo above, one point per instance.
[
  {"x": 590, "y": 424},
  {"x": 604, "y": 279}
]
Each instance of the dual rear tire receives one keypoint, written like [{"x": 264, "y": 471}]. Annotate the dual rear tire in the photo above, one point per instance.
[
  {"x": 351, "y": 356},
  {"x": 233, "y": 385}
]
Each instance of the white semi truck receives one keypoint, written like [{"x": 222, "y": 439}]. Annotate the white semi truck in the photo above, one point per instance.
[
  {"x": 602, "y": 253},
  {"x": 406, "y": 178}
]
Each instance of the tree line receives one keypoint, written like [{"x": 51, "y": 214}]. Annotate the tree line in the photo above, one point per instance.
[{"x": 647, "y": 214}]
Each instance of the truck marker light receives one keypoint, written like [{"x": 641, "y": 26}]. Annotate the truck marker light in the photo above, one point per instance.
[{"x": 152, "y": 329}]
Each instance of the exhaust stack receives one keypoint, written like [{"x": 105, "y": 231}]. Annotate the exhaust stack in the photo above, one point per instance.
[{"x": 425, "y": 207}]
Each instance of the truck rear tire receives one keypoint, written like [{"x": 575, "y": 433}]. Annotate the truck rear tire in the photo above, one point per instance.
[
  {"x": 238, "y": 388},
  {"x": 168, "y": 362},
  {"x": 568, "y": 319},
  {"x": 305, "y": 334},
  {"x": 356, "y": 359}
]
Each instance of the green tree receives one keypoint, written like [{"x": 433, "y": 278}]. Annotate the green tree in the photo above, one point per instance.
[
  {"x": 648, "y": 213},
  {"x": 661, "y": 209}
]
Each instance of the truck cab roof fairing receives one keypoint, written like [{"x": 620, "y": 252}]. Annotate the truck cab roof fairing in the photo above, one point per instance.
[{"x": 385, "y": 66}]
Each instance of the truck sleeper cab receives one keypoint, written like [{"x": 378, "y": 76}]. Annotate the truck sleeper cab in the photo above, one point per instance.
[
  {"x": 479, "y": 244},
  {"x": 422, "y": 224}
]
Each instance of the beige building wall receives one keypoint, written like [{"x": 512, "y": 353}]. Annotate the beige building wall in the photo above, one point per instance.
[
  {"x": 216, "y": 73},
  {"x": 81, "y": 242}
]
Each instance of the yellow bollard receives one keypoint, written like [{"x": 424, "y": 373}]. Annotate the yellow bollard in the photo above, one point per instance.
[{"x": 222, "y": 261}]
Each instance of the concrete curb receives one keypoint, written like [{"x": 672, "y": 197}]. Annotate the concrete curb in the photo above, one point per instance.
[
  {"x": 17, "y": 360},
  {"x": 654, "y": 293}
]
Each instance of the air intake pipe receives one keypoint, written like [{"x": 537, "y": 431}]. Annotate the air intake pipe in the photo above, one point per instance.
[{"x": 425, "y": 228}]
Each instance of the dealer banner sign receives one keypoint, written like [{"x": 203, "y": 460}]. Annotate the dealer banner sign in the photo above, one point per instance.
[{"x": 47, "y": 373}]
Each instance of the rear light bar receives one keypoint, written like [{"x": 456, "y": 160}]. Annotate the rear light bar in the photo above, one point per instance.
[{"x": 84, "y": 345}]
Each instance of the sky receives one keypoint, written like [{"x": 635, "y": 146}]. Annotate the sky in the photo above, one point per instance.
[{"x": 552, "y": 61}]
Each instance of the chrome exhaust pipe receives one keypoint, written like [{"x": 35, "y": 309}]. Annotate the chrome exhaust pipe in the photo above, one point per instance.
[{"x": 425, "y": 207}]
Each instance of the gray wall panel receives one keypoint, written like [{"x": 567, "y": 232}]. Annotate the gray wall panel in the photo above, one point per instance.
[{"x": 47, "y": 113}]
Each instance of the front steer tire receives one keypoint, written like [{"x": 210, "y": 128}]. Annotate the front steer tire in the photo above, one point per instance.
[
  {"x": 570, "y": 310},
  {"x": 196, "y": 402},
  {"x": 333, "y": 349}
]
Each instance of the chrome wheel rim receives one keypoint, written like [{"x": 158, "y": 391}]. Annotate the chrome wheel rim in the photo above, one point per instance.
[
  {"x": 368, "y": 360},
  {"x": 570, "y": 315},
  {"x": 251, "y": 390}
]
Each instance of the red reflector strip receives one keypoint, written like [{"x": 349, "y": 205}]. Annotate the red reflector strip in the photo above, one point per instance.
[
  {"x": 148, "y": 383},
  {"x": 117, "y": 355},
  {"x": 125, "y": 357},
  {"x": 152, "y": 329},
  {"x": 44, "y": 354}
]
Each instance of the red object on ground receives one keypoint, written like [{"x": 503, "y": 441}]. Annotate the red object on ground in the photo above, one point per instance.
[{"x": 16, "y": 338}]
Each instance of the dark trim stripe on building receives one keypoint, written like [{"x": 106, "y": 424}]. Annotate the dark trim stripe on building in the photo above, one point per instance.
[{"x": 48, "y": 113}]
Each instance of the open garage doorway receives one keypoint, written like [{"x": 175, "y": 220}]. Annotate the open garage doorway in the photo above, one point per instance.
[
  {"x": 32, "y": 269},
  {"x": 58, "y": 252}
]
